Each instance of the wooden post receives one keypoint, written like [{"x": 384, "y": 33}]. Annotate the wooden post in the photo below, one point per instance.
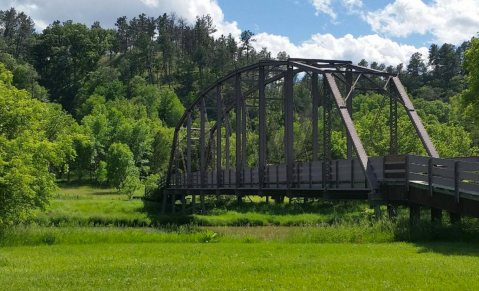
[
  {"x": 193, "y": 203},
  {"x": 183, "y": 203},
  {"x": 202, "y": 202},
  {"x": 429, "y": 176},
  {"x": 414, "y": 213},
  {"x": 407, "y": 174},
  {"x": 456, "y": 182}
]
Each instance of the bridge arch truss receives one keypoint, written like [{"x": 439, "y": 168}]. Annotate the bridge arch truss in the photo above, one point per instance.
[{"x": 201, "y": 155}]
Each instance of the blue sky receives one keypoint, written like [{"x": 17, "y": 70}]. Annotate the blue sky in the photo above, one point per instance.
[
  {"x": 298, "y": 19},
  {"x": 386, "y": 31}
]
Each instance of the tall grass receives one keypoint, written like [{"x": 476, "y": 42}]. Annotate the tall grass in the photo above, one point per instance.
[{"x": 363, "y": 232}]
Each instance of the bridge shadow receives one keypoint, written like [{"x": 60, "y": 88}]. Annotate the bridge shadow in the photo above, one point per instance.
[
  {"x": 152, "y": 209},
  {"x": 469, "y": 249},
  {"x": 446, "y": 239}
]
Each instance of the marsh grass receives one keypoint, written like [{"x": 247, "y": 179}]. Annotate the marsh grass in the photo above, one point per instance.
[{"x": 375, "y": 232}]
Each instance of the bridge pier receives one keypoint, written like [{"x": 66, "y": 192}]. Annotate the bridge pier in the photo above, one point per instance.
[
  {"x": 202, "y": 202},
  {"x": 183, "y": 203},
  {"x": 414, "y": 213},
  {"x": 436, "y": 215},
  {"x": 193, "y": 203},
  {"x": 455, "y": 218}
]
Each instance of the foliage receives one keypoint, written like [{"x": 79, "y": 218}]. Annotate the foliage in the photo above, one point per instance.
[
  {"x": 120, "y": 165},
  {"x": 26, "y": 152},
  {"x": 101, "y": 173},
  {"x": 131, "y": 183},
  {"x": 151, "y": 184}
]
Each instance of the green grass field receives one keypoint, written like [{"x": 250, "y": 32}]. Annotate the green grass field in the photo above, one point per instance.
[
  {"x": 95, "y": 239},
  {"x": 241, "y": 266}
]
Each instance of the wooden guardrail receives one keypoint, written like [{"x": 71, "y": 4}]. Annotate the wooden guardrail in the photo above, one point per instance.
[{"x": 458, "y": 176}]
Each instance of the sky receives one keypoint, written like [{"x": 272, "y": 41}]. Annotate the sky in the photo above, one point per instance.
[{"x": 385, "y": 31}]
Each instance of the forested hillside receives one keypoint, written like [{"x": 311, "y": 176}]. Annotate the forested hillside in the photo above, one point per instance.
[{"x": 96, "y": 104}]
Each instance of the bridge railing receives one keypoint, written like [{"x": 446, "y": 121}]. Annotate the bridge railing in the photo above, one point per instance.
[
  {"x": 456, "y": 176},
  {"x": 343, "y": 174}
]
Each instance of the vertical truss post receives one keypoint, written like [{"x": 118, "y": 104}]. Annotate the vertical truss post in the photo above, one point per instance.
[
  {"x": 349, "y": 106},
  {"x": 393, "y": 124},
  {"x": 288, "y": 138},
  {"x": 227, "y": 141},
  {"x": 202, "y": 142},
  {"x": 219, "y": 117},
  {"x": 239, "y": 129},
  {"x": 262, "y": 127},
  {"x": 326, "y": 135},
  {"x": 188, "y": 148},
  {"x": 243, "y": 140},
  {"x": 315, "y": 93}
]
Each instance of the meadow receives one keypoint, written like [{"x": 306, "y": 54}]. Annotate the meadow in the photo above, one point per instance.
[
  {"x": 95, "y": 239},
  {"x": 241, "y": 266}
]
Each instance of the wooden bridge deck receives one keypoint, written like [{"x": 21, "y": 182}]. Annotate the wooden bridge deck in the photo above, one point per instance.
[{"x": 448, "y": 184}]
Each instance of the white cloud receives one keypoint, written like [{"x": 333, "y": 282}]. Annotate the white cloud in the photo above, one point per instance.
[
  {"x": 45, "y": 12},
  {"x": 326, "y": 6},
  {"x": 450, "y": 21},
  {"x": 373, "y": 48}
]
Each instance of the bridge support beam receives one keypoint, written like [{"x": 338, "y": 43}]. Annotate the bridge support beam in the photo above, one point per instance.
[
  {"x": 326, "y": 175},
  {"x": 202, "y": 142},
  {"x": 202, "y": 202},
  {"x": 315, "y": 95},
  {"x": 414, "y": 213},
  {"x": 349, "y": 106},
  {"x": 393, "y": 125},
  {"x": 288, "y": 138},
  {"x": 262, "y": 129},
  {"x": 188, "y": 149},
  {"x": 436, "y": 215},
  {"x": 193, "y": 203},
  {"x": 347, "y": 121},
  {"x": 239, "y": 129},
  {"x": 219, "y": 119}
]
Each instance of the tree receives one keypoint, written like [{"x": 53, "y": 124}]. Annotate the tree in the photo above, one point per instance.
[
  {"x": 16, "y": 30},
  {"x": 101, "y": 173},
  {"x": 120, "y": 165},
  {"x": 171, "y": 108},
  {"x": 64, "y": 64},
  {"x": 471, "y": 64},
  {"x": 26, "y": 153},
  {"x": 247, "y": 39},
  {"x": 131, "y": 182}
]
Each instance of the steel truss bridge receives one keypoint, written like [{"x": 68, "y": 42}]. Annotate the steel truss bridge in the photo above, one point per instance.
[{"x": 202, "y": 163}]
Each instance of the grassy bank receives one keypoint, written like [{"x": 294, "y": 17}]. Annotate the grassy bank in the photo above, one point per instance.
[
  {"x": 240, "y": 266},
  {"x": 88, "y": 206}
]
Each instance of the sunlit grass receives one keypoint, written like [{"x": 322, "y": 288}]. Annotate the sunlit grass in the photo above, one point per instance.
[{"x": 241, "y": 266}]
